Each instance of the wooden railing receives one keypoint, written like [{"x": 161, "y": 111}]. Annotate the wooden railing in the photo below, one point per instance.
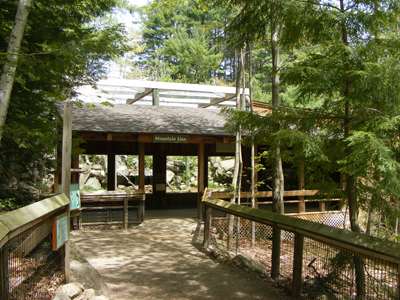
[
  {"x": 301, "y": 194},
  {"x": 22, "y": 231},
  {"x": 104, "y": 203},
  {"x": 377, "y": 256}
]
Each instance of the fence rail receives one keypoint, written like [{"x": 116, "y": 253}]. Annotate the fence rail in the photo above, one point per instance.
[
  {"x": 112, "y": 207},
  {"x": 29, "y": 268},
  {"x": 317, "y": 261}
]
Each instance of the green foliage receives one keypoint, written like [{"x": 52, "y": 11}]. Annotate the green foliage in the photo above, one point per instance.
[
  {"x": 8, "y": 205},
  {"x": 66, "y": 44}
]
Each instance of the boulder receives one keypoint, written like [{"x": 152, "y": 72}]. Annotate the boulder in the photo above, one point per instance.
[
  {"x": 93, "y": 183},
  {"x": 82, "y": 271},
  {"x": 72, "y": 290},
  {"x": 228, "y": 164},
  {"x": 248, "y": 263},
  {"x": 170, "y": 176}
]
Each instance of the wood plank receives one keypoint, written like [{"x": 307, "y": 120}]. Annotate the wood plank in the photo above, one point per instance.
[
  {"x": 125, "y": 214},
  {"x": 297, "y": 265},
  {"x": 66, "y": 149},
  {"x": 111, "y": 180},
  {"x": 201, "y": 183},
  {"x": 267, "y": 194},
  {"x": 142, "y": 166},
  {"x": 170, "y": 86},
  {"x": 4, "y": 279},
  {"x": 145, "y": 137}
]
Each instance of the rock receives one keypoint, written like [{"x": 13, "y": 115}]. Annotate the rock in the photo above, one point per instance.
[
  {"x": 87, "y": 295},
  {"x": 228, "y": 164},
  {"x": 82, "y": 271},
  {"x": 61, "y": 296},
  {"x": 97, "y": 167},
  {"x": 12, "y": 182},
  {"x": 170, "y": 176},
  {"x": 72, "y": 290},
  {"x": 100, "y": 298},
  {"x": 93, "y": 183},
  {"x": 247, "y": 262}
]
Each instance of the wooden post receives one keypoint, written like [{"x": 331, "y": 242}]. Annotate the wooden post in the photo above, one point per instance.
[
  {"x": 207, "y": 225},
  {"x": 111, "y": 172},
  {"x": 66, "y": 174},
  {"x": 297, "y": 265},
  {"x": 141, "y": 209},
  {"x": 141, "y": 167},
  {"x": 4, "y": 283},
  {"x": 200, "y": 177},
  {"x": 156, "y": 98},
  {"x": 126, "y": 213},
  {"x": 302, "y": 204}
]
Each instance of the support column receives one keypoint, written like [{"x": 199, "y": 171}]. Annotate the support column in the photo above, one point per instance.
[
  {"x": 302, "y": 204},
  {"x": 141, "y": 167},
  {"x": 4, "y": 282},
  {"x": 201, "y": 184},
  {"x": 297, "y": 265},
  {"x": 66, "y": 175},
  {"x": 111, "y": 172},
  {"x": 156, "y": 98}
]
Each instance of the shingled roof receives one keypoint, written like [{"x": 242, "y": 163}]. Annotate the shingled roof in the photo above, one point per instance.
[{"x": 123, "y": 118}]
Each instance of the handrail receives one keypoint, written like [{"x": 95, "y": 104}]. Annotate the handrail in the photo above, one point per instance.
[
  {"x": 369, "y": 245},
  {"x": 17, "y": 221}
]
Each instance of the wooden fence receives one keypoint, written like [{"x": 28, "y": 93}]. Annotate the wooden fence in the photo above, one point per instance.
[
  {"x": 322, "y": 256},
  {"x": 26, "y": 249}
]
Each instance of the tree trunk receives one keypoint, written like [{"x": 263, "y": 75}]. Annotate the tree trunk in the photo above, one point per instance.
[
  {"x": 10, "y": 65},
  {"x": 237, "y": 163},
  {"x": 277, "y": 171},
  {"x": 253, "y": 171},
  {"x": 371, "y": 221}
]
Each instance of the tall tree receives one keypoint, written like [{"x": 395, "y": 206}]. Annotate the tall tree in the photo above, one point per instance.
[
  {"x": 10, "y": 65},
  {"x": 65, "y": 44}
]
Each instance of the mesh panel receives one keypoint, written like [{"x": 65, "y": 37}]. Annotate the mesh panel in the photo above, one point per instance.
[{"x": 329, "y": 271}]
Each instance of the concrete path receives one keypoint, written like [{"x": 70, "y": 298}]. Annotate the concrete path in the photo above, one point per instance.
[{"x": 162, "y": 259}]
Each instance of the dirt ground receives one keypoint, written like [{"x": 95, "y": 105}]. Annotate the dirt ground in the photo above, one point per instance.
[{"x": 162, "y": 259}]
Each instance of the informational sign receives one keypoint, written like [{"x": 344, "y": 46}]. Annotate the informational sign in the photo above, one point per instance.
[
  {"x": 74, "y": 196},
  {"x": 60, "y": 231},
  {"x": 170, "y": 138}
]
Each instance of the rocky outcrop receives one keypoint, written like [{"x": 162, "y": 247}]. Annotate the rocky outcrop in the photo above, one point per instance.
[
  {"x": 127, "y": 169},
  {"x": 86, "y": 282}
]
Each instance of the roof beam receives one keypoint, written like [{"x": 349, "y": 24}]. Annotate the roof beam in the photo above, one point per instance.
[
  {"x": 215, "y": 101},
  {"x": 139, "y": 96}
]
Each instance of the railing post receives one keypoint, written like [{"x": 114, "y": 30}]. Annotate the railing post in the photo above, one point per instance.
[
  {"x": 297, "y": 265},
  {"x": 207, "y": 225},
  {"x": 398, "y": 281},
  {"x": 4, "y": 273},
  {"x": 125, "y": 213}
]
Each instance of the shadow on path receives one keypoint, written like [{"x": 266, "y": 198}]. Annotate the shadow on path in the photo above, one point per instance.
[{"x": 161, "y": 259}]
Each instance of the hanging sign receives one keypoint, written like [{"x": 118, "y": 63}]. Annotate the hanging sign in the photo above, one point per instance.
[
  {"x": 73, "y": 196},
  {"x": 60, "y": 231},
  {"x": 170, "y": 138}
]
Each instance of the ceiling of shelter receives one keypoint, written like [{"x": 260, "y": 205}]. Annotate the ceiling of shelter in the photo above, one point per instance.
[{"x": 136, "y": 92}]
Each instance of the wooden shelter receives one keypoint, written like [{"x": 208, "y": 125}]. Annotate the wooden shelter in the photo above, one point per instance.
[{"x": 161, "y": 130}]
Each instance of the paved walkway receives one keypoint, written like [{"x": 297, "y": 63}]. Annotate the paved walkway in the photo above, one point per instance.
[{"x": 162, "y": 259}]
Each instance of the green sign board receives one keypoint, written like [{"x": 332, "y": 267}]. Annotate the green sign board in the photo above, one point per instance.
[
  {"x": 74, "y": 196},
  {"x": 60, "y": 231},
  {"x": 170, "y": 138}
]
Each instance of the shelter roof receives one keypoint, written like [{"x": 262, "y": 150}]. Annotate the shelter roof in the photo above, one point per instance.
[
  {"x": 123, "y": 118},
  {"x": 139, "y": 92}
]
